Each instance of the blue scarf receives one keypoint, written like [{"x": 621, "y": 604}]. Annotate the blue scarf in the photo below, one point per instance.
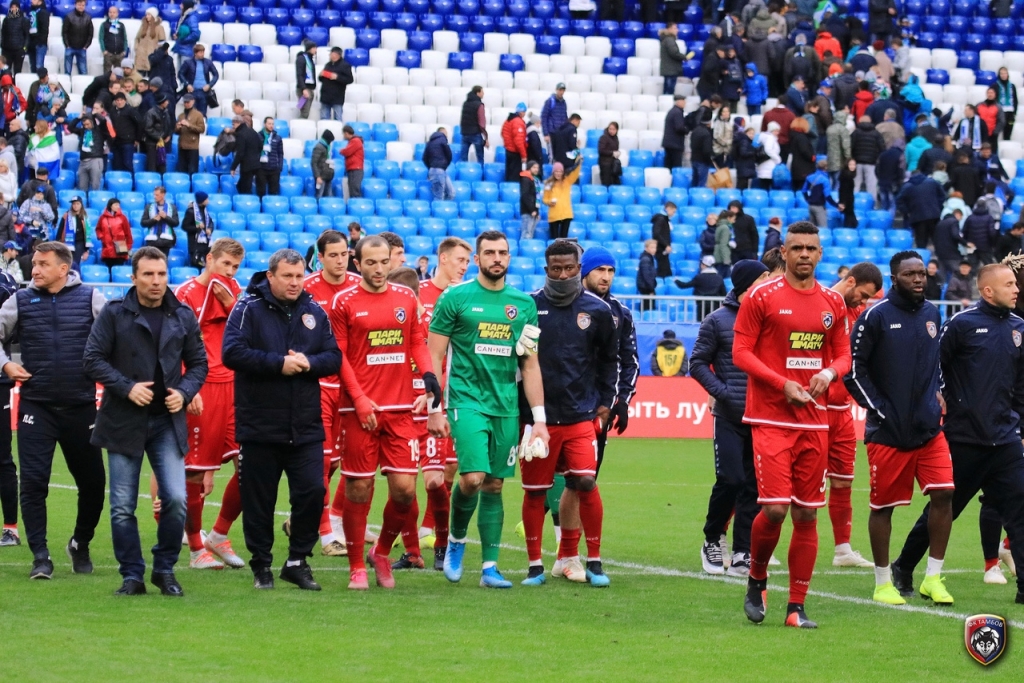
[
  {"x": 1005, "y": 95},
  {"x": 969, "y": 128}
]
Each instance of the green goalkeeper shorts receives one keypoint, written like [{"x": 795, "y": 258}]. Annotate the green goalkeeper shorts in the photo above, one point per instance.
[{"x": 484, "y": 443}]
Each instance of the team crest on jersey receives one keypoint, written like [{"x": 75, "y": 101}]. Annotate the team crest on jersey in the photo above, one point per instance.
[
  {"x": 827, "y": 318},
  {"x": 933, "y": 330},
  {"x": 1016, "y": 338},
  {"x": 511, "y": 312},
  {"x": 583, "y": 320},
  {"x": 308, "y": 320},
  {"x": 400, "y": 314},
  {"x": 985, "y": 637}
]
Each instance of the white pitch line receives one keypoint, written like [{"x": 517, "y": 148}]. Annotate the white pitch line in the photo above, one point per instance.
[{"x": 678, "y": 573}]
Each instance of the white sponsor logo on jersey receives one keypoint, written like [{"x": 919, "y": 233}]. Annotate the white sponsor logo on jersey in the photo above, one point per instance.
[
  {"x": 385, "y": 358},
  {"x": 803, "y": 364},
  {"x": 493, "y": 350}
]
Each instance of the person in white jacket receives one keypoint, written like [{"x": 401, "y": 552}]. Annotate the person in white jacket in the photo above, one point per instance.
[
  {"x": 8, "y": 184},
  {"x": 769, "y": 140}
]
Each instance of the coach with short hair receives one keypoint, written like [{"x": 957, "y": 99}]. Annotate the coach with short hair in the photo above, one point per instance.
[
  {"x": 279, "y": 343},
  {"x": 136, "y": 351},
  {"x": 51, "y": 320}
]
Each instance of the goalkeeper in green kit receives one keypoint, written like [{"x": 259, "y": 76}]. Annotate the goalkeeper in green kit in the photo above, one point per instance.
[{"x": 488, "y": 331}]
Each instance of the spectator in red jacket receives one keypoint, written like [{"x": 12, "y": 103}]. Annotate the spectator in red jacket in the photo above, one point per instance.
[
  {"x": 826, "y": 42},
  {"x": 115, "y": 235},
  {"x": 13, "y": 101},
  {"x": 353, "y": 153},
  {"x": 781, "y": 115},
  {"x": 862, "y": 100},
  {"x": 513, "y": 134}
]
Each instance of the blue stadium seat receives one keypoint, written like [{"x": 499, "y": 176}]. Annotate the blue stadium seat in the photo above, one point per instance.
[
  {"x": 845, "y": 238},
  {"x": 416, "y": 208},
  {"x": 118, "y": 181},
  {"x": 472, "y": 210},
  {"x": 131, "y": 201},
  {"x": 388, "y": 208},
  {"x": 627, "y": 232},
  {"x": 95, "y": 274},
  {"x": 501, "y": 211},
  {"x": 290, "y": 222},
  {"x": 291, "y": 186},
  {"x": 275, "y": 204},
  {"x": 872, "y": 238},
  {"x": 260, "y": 222},
  {"x": 331, "y": 206},
  {"x": 521, "y": 265},
  {"x": 434, "y": 227},
  {"x": 231, "y": 222},
  {"x": 260, "y": 260},
  {"x": 418, "y": 244},
  {"x": 595, "y": 194},
  {"x": 639, "y": 214},
  {"x": 444, "y": 209},
  {"x": 469, "y": 172},
  {"x": 246, "y": 203},
  {"x": 403, "y": 225},
  {"x": 375, "y": 188},
  {"x": 702, "y": 197},
  {"x": 863, "y": 202},
  {"x": 621, "y": 195},
  {"x": 531, "y": 248},
  {"x": 316, "y": 224},
  {"x": 899, "y": 239},
  {"x": 360, "y": 207},
  {"x": 146, "y": 181},
  {"x": 386, "y": 170},
  {"x": 600, "y": 232},
  {"x": 585, "y": 213},
  {"x": 862, "y": 254},
  {"x": 414, "y": 170},
  {"x": 509, "y": 192},
  {"x": 272, "y": 241},
  {"x": 121, "y": 274},
  {"x": 403, "y": 190},
  {"x": 484, "y": 191},
  {"x": 611, "y": 213}
]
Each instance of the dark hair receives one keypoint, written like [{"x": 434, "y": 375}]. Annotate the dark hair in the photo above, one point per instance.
[
  {"x": 354, "y": 225},
  {"x": 737, "y": 203},
  {"x": 901, "y": 256},
  {"x": 327, "y": 238},
  {"x": 393, "y": 240},
  {"x": 772, "y": 260},
  {"x": 575, "y": 117},
  {"x": 370, "y": 241},
  {"x": 477, "y": 89},
  {"x": 866, "y": 273},
  {"x": 60, "y": 249},
  {"x": 490, "y": 236},
  {"x": 939, "y": 166},
  {"x": 268, "y": 118},
  {"x": 289, "y": 256},
  {"x": 240, "y": 103},
  {"x": 562, "y": 248},
  {"x": 348, "y": 129},
  {"x": 802, "y": 228},
  {"x": 405, "y": 276},
  {"x": 149, "y": 253},
  {"x": 671, "y": 205}
]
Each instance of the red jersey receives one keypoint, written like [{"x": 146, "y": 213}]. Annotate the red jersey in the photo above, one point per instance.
[
  {"x": 379, "y": 334},
  {"x": 838, "y": 396},
  {"x": 213, "y": 318},
  {"x": 429, "y": 293},
  {"x": 323, "y": 293},
  {"x": 783, "y": 334}
]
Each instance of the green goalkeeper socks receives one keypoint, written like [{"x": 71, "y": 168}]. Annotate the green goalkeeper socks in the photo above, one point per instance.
[
  {"x": 463, "y": 507},
  {"x": 555, "y": 493},
  {"x": 490, "y": 521}
]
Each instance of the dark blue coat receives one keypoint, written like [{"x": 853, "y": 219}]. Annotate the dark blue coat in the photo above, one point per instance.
[
  {"x": 772, "y": 239},
  {"x": 981, "y": 231},
  {"x": 897, "y": 388},
  {"x": 7, "y": 289},
  {"x": 437, "y": 153},
  {"x": 947, "y": 239},
  {"x": 579, "y": 353},
  {"x": 187, "y": 72},
  {"x": 269, "y": 406},
  {"x": 711, "y": 362},
  {"x": 629, "y": 363},
  {"x": 646, "y": 275},
  {"x": 121, "y": 353},
  {"x": 982, "y": 363},
  {"x": 920, "y": 199}
]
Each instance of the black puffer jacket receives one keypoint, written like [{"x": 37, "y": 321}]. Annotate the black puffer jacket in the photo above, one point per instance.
[
  {"x": 866, "y": 144},
  {"x": 14, "y": 33},
  {"x": 713, "y": 349}
]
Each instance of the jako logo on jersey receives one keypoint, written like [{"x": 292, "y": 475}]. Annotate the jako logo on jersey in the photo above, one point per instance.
[
  {"x": 385, "y": 338},
  {"x": 932, "y": 330},
  {"x": 985, "y": 637},
  {"x": 806, "y": 341},
  {"x": 499, "y": 331},
  {"x": 827, "y": 319},
  {"x": 981, "y": 330},
  {"x": 1016, "y": 338},
  {"x": 308, "y": 320},
  {"x": 511, "y": 312},
  {"x": 583, "y": 320},
  {"x": 400, "y": 314},
  {"x": 785, "y": 311}
]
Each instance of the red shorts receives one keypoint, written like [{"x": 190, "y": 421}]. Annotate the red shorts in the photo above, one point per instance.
[
  {"x": 842, "y": 445},
  {"x": 572, "y": 451},
  {"x": 211, "y": 436},
  {"x": 332, "y": 423},
  {"x": 893, "y": 471},
  {"x": 434, "y": 452},
  {"x": 393, "y": 446},
  {"x": 791, "y": 465}
]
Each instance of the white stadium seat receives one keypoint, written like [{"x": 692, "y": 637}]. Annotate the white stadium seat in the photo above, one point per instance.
[
  {"x": 1014, "y": 60},
  {"x": 343, "y": 37},
  {"x": 548, "y": 81},
  {"x": 449, "y": 116},
  {"x": 628, "y": 139},
  {"x": 370, "y": 113},
  {"x": 473, "y": 77},
  {"x": 286, "y": 72},
  {"x": 513, "y": 96},
  {"x": 261, "y": 35},
  {"x": 536, "y": 98},
  {"x": 446, "y": 41},
  {"x": 598, "y": 46},
  {"x": 396, "y": 76},
  {"x": 262, "y": 71},
  {"x": 248, "y": 90},
  {"x": 411, "y": 95},
  {"x": 421, "y": 77},
  {"x": 526, "y": 81},
  {"x": 434, "y": 60},
  {"x": 235, "y": 71},
  {"x": 574, "y": 46},
  {"x": 578, "y": 82},
  {"x": 333, "y": 126},
  {"x": 639, "y": 66},
  {"x": 293, "y": 148},
  {"x": 382, "y": 58},
  {"x": 990, "y": 60},
  {"x": 486, "y": 61},
  {"x": 277, "y": 92},
  {"x": 650, "y": 140},
  {"x": 448, "y": 78},
  {"x": 976, "y": 93},
  {"x": 384, "y": 94},
  {"x": 233, "y": 34},
  {"x": 648, "y": 48},
  {"x": 425, "y": 115},
  {"x": 398, "y": 113},
  {"x": 592, "y": 100},
  {"x": 629, "y": 85},
  {"x": 961, "y": 77},
  {"x": 653, "y": 85},
  {"x": 920, "y": 57},
  {"x": 261, "y": 109},
  {"x": 660, "y": 178},
  {"x": 620, "y": 102},
  {"x": 212, "y": 33},
  {"x": 634, "y": 120},
  {"x": 394, "y": 39},
  {"x": 605, "y": 83},
  {"x": 655, "y": 121},
  {"x": 522, "y": 44},
  {"x": 563, "y": 64},
  {"x": 357, "y": 93},
  {"x": 370, "y": 75},
  {"x": 944, "y": 59},
  {"x": 435, "y": 96},
  {"x": 537, "y": 64},
  {"x": 496, "y": 43},
  {"x": 402, "y": 150},
  {"x": 607, "y": 116}
]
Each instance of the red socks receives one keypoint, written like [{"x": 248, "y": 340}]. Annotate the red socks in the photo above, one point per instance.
[
  {"x": 410, "y": 532},
  {"x": 395, "y": 514},
  {"x": 570, "y": 544},
  {"x": 194, "y": 515},
  {"x": 440, "y": 500},
  {"x": 592, "y": 517},
  {"x": 991, "y": 563},
  {"x": 533, "y": 523},
  {"x": 354, "y": 522},
  {"x": 840, "y": 511},
  {"x": 803, "y": 551},
  {"x": 230, "y": 506},
  {"x": 338, "y": 504},
  {"x": 764, "y": 536}
]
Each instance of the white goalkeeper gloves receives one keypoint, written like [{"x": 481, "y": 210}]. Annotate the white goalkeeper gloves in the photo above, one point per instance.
[
  {"x": 526, "y": 345},
  {"x": 530, "y": 447}
]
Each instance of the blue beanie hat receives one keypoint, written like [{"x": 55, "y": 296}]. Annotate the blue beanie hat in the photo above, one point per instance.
[{"x": 594, "y": 258}]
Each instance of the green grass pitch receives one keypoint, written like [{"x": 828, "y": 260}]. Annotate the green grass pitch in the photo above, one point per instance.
[{"x": 660, "y": 620}]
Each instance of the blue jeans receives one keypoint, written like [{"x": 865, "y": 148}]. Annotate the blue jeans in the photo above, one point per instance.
[
  {"x": 700, "y": 174},
  {"x": 670, "y": 85},
  {"x": 168, "y": 463},
  {"x": 331, "y": 111},
  {"x": 477, "y": 142},
  {"x": 36, "y": 56},
  {"x": 753, "y": 109},
  {"x": 527, "y": 225},
  {"x": 440, "y": 185},
  {"x": 70, "y": 56},
  {"x": 886, "y": 200}
]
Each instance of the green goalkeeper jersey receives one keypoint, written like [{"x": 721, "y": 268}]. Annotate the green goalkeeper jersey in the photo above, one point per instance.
[{"x": 482, "y": 326}]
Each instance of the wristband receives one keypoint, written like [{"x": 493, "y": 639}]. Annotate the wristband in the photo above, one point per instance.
[
  {"x": 431, "y": 410},
  {"x": 538, "y": 414}
]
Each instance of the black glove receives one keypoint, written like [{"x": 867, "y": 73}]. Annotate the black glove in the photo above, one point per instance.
[
  {"x": 619, "y": 417},
  {"x": 432, "y": 386}
]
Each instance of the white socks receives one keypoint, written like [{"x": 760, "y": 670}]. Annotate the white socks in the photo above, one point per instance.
[
  {"x": 488, "y": 565},
  {"x": 327, "y": 540},
  {"x": 843, "y": 549},
  {"x": 883, "y": 575},
  {"x": 216, "y": 538},
  {"x": 558, "y": 535},
  {"x": 934, "y": 567}
]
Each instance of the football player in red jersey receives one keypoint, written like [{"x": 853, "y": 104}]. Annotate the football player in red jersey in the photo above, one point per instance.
[
  {"x": 396, "y": 249},
  {"x": 211, "y": 414},
  {"x": 792, "y": 341},
  {"x": 862, "y": 282},
  {"x": 333, "y": 276},
  {"x": 378, "y": 329},
  {"x": 438, "y": 461}
]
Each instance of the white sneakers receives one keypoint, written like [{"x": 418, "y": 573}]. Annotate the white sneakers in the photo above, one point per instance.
[
  {"x": 203, "y": 559},
  {"x": 850, "y": 558},
  {"x": 995, "y": 576},
  {"x": 571, "y": 569}
]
